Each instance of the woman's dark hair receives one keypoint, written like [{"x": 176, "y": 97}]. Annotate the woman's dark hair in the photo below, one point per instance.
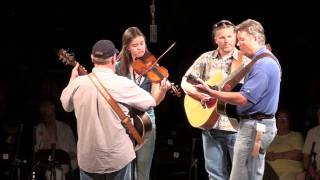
[{"x": 124, "y": 55}]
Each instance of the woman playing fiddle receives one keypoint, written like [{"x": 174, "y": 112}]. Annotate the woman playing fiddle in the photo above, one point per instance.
[{"x": 134, "y": 47}]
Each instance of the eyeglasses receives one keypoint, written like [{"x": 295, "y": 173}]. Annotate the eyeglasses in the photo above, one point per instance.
[{"x": 223, "y": 23}]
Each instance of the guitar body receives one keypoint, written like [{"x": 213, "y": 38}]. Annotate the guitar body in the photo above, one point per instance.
[
  {"x": 227, "y": 110},
  {"x": 200, "y": 116},
  {"x": 143, "y": 124},
  {"x": 204, "y": 117}
]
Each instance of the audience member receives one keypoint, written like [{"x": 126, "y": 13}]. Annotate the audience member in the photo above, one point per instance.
[
  {"x": 311, "y": 150},
  {"x": 52, "y": 134},
  {"x": 285, "y": 152}
]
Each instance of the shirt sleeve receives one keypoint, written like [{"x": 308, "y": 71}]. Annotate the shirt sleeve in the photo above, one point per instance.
[
  {"x": 195, "y": 69},
  {"x": 132, "y": 95},
  {"x": 67, "y": 95},
  {"x": 308, "y": 143}
]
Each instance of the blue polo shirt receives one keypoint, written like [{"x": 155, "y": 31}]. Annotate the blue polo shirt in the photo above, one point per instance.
[{"x": 262, "y": 86}]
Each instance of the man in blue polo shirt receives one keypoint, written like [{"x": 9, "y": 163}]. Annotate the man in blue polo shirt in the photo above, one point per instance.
[{"x": 256, "y": 103}]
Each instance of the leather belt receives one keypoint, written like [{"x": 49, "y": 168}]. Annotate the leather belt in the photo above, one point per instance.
[{"x": 257, "y": 116}]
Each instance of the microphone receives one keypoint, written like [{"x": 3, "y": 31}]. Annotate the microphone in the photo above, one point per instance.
[
  {"x": 153, "y": 33},
  {"x": 153, "y": 26},
  {"x": 52, "y": 160}
]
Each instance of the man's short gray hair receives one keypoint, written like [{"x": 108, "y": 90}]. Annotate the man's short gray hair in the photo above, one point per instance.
[{"x": 253, "y": 28}]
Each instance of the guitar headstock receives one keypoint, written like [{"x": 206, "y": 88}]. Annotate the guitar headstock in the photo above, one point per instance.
[
  {"x": 68, "y": 58},
  {"x": 192, "y": 79},
  {"x": 175, "y": 90}
]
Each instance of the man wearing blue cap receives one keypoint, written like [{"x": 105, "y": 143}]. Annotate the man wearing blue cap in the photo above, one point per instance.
[{"x": 104, "y": 148}]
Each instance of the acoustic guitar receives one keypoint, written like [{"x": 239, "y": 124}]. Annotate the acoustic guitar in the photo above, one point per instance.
[
  {"x": 141, "y": 120},
  {"x": 204, "y": 115}
]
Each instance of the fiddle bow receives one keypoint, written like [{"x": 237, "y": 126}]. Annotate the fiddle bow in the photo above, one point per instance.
[{"x": 153, "y": 71}]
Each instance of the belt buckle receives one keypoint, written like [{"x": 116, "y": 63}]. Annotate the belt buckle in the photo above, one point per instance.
[{"x": 260, "y": 116}]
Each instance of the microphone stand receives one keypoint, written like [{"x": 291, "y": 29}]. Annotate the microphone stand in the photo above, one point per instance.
[
  {"x": 16, "y": 164},
  {"x": 52, "y": 165},
  {"x": 34, "y": 163},
  {"x": 193, "y": 171}
]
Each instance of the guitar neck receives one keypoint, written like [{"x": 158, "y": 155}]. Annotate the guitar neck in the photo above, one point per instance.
[
  {"x": 81, "y": 69},
  {"x": 239, "y": 74},
  {"x": 175, "y": 90},
  {"x": 236, "y": 77},
  {"x": 68, "y": 58}
]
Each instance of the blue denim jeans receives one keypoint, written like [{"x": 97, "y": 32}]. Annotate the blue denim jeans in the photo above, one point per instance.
[
  {"x": 245, "y": 166},
  {"x": 218, "y": 151},
  {"x": 122, "y": 174},
  {"x": 144, "y": 157}
]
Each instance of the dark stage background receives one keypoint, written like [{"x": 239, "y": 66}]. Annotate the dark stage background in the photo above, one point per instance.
[{"x": 32, "y": 33}]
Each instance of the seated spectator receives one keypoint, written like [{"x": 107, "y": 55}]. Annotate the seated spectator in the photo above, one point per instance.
[
  {"x": 311, "y": 151},
  {"x": 54, "y": 135},
  {"x": 285, "y": 152}
]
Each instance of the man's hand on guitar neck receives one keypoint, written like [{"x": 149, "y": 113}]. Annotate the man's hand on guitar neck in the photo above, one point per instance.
[
  {"x": 202, "y": 86},
  {"x": 74, "y": 72},
  {"x": 193, "y": 92}
]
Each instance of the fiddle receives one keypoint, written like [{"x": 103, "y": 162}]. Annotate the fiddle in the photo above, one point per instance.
[{"x": 147, "y": 66}]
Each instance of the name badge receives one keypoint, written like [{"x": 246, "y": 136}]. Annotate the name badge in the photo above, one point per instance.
[{"x": 261, "y": 127}]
